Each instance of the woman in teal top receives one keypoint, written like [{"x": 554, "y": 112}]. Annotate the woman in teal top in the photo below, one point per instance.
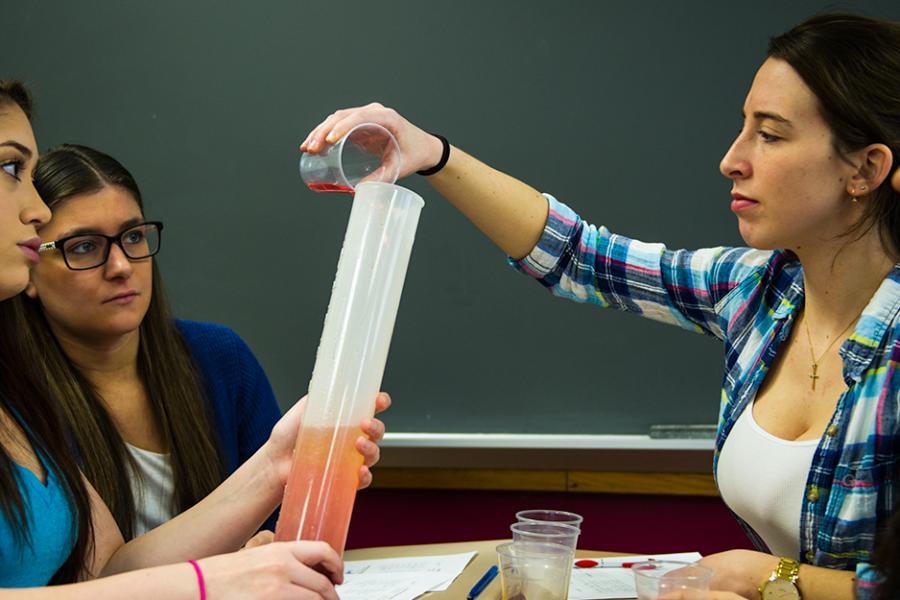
[{"x": 53, "y": 525}]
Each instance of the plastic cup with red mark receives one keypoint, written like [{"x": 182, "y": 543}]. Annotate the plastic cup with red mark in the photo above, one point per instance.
[{"x": 369, "y": 152}]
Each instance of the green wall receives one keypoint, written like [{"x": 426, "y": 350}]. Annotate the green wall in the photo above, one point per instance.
[{"x": 621, "y": 109}]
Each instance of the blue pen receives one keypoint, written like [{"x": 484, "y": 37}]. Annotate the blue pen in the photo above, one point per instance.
[{"x": 485, "y": 580}]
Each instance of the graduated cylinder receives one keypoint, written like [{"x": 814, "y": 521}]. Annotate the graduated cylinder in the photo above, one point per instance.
[{"x": 321, "y": 488}]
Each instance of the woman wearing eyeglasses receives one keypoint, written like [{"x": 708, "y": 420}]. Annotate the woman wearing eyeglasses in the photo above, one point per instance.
[{"x": 160, "y": 409}]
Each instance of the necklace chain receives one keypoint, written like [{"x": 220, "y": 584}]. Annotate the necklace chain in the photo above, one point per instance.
[{"x": 815, "y": 362}]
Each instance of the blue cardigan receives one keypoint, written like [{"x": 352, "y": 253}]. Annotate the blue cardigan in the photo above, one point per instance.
[{"x": 240, "y": 397}]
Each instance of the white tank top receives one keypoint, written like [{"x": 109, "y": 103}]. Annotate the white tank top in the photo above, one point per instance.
[
  {"x": 152, "y": 486},
  {"x": 762, "y": 479}
]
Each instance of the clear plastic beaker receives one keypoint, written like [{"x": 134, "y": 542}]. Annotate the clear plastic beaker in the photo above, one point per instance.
[
  {"x": 541, "y": 531},
  {"x": 660, "y": 577},
  {"x": 550, "y": 516},
  {"x": 369, "y": 152},
  {"x": 538, "y": 571},
  {"x": 321, "y": 488}
]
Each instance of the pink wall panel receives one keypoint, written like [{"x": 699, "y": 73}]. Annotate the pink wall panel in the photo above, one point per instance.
[{"x": 627, "y": 523}]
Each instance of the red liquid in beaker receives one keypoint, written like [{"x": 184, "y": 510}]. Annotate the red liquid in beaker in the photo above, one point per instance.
[
  {"x": 321, "y": 488},
  {"x": 329, "y": 187}
]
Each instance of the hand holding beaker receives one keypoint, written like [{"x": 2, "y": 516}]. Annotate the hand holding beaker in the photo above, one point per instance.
[
  {"x": 419, "y": 149},
  {"x": 368, "y": 152}
]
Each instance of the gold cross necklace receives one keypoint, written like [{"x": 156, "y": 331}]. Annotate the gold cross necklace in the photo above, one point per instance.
[{"x": 815, "y": 362}]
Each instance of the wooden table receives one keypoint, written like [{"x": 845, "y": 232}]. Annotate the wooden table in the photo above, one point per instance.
[{"x": 486, "y": 557}]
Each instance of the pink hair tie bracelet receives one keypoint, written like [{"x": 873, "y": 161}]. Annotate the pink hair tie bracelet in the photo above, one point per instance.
[{"x": 200, "y": 581}]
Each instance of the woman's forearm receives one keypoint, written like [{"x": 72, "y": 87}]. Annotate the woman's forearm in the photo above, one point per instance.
[
  {"x": 743, "y": 572},
  {"x": 219, "y": 523},
  {"x": 173, "y": 582},
  {"x": 819, "y": 583},
  {"x": 511, "y": 213}
]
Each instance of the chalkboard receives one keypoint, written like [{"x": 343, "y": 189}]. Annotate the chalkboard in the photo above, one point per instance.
[{"x": 622, "y": 109}]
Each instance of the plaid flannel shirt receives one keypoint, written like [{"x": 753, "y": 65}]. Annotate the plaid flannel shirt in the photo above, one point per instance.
[{"x": 749, "y": 299}]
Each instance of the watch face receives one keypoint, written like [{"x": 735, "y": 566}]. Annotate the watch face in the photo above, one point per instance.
[{"x": 780, "y": 589}]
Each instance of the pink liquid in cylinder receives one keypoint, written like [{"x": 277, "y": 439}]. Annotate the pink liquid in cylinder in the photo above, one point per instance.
[
  {"x": 321, "y": 488},
  {"x": 350, "y": 362}
]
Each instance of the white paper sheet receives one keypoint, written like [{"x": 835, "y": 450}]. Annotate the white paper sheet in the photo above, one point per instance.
[
  {"x": 601, "y": 583},
  {"x": 438, "y": 572},
  {"x": 609, "y": 580},
  {"x": 388, "y": 586}
]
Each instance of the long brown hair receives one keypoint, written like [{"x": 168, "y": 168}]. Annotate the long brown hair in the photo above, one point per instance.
[
  {"x": 27, "y": 401},
  {"x": 852, "y": 65},
  {"x": 164, "y": 365}
]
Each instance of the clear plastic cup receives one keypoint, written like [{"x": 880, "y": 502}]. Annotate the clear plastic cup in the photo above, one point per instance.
[
  {"x": 550, "y": 516},
  {"x": 350, "y": 361},
  {"x": 536, "y": 571},
  {"x": 657, "y": 577},
  {"x": 553, "y": 533},
  {"x": 369, "y": 152}
]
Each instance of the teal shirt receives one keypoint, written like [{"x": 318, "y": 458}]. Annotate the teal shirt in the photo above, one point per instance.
[{"x": 51, "y": 523}]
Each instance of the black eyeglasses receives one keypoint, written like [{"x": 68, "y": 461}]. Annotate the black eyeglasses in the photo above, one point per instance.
[{"x": 91, "y": 250}]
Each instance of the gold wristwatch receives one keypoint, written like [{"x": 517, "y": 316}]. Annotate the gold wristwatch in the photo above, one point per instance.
[{"x": 782, "y": 583}]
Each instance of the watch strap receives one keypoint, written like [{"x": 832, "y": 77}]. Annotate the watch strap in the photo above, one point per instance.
[{"x": 789, "y": 569}]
